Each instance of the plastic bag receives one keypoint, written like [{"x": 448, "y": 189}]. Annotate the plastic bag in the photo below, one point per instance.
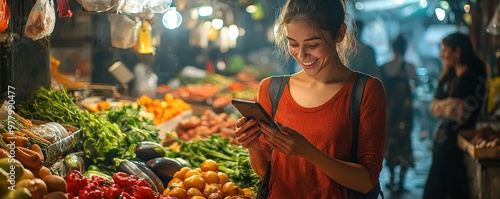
[
  {"x": 124, "y": 30},
  {"x": 100, "y": 5},
  {"x": 41, "y": 20},
  {"x": 4, "y": 15}
]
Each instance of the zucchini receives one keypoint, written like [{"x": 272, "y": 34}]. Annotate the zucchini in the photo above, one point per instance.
[
  {"x": 141, "y": 171},
  {"x": 148, "y": 150},
  {"x": 164, "y": 167}
]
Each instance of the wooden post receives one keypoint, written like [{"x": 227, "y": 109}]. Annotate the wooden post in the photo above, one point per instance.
[{"x": 24, "y": 63}]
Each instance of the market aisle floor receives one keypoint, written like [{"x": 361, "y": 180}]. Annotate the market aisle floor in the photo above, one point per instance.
[{"x": 416, "y": 177}]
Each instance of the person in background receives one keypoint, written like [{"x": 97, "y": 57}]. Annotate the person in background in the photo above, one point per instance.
[
  {"x": 396, "y": 76},
  {"x": 365, "y": 59},
  {"x": 311, "y": 152},
  {"x": 460, "y": 94}
]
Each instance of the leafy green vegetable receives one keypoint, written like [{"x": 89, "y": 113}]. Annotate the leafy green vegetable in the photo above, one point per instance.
[
  {"x": 232, "y": 160},
  {"x": 132, "y": 124},
  {"x": 102, "y": 141}
]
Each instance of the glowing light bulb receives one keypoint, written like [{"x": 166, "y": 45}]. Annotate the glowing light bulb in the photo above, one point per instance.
[{"x": 172, "y": 19}]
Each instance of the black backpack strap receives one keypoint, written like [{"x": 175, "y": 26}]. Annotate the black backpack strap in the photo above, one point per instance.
[
  {"x": 354, "y": 110},
  {"x": 276, "y": 87}
]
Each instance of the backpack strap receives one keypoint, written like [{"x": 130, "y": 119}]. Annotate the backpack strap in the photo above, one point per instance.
[
  {"x": 276, "y": 87},
  {"x": 354, "y": 110}
]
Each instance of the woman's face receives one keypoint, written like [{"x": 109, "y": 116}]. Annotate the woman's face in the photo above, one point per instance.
[
  {"x": 312, "y": 48},
  {"x": 449, "y": 57}
]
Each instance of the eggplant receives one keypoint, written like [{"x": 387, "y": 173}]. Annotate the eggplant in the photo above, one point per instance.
[
  {"x": 148, "y": 150},
  {"x": 140, "y": 170},
  {"x": 164, "y": 167}
]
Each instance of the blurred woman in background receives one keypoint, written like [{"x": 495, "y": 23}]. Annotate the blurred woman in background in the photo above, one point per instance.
[{"x": 459, "y": 97}]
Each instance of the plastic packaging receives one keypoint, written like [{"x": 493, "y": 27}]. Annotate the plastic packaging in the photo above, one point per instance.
[
  {"x": 124, "y": 30},
  {"x": 41, "y": 20},
  {"x": 4, "y": 15}
]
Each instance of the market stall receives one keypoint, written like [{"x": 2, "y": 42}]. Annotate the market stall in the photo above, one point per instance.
[{"x": 482, "y": 159}]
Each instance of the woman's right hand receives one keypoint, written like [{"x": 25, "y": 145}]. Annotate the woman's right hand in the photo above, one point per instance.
[{"x": 247, "y": 133}]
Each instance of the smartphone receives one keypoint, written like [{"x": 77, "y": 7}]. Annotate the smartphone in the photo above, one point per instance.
[{"x": 252, "y": 109}]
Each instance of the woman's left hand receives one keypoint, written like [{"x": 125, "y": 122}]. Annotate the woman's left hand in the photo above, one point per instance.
[{"x": 287, "y": 141}]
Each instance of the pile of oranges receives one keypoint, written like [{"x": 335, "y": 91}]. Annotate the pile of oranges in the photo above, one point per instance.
[
  {"x": 205, "y": 182},
  {"x": 165, "y": 109}
]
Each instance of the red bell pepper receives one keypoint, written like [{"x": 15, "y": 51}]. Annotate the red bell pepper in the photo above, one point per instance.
[
  {"x": 76, "y": 182},
  {"x": 125, "y": 195},
  {"x": 124, "y": 180},
  {"x": 144, "y": 193}
]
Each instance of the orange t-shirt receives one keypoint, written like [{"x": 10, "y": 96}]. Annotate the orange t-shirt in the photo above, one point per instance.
[{"x": 328, "y": 127}]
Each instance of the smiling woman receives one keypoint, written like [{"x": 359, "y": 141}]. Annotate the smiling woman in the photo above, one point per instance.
[{"x": 314, "y": 140}]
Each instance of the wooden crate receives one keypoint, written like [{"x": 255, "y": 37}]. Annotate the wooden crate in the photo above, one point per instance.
[{"x": 464, "y": 138}]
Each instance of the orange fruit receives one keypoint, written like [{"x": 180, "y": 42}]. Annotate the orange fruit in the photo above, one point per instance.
[
  {"x": 223, "y": 178},
  {"x": 193, "y": 192},
  {"x": 209, "y": 165},
  {"x": 179, "y": 193},
  {"x": 195, "y": 181},
  {"x": 190, "y": 173},
  {"x": 176, "y": 182},
  {"x": 210, "y": 177}
]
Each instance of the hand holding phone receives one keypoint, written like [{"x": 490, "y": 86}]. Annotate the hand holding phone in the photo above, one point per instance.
[{"x": 253, "y": 110}]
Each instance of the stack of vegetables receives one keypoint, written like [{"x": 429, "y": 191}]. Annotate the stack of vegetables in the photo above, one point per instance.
[
  {"x": 104, "y": 142},
  {"x": 232, "y": 159},
  {"x": 121, "y": 185},
  {"x": 203, "y": 182},
  {"x": 17, "y": 135},
  {"x": 163, "y": 110},
  {"x": 18, "y": 182},
  {"x": 207, "y": 124}
]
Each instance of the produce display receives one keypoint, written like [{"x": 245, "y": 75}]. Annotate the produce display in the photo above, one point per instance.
[
  {"x": 197, "y": 92},
  {"x": 232, "y": 159},
  {"x": 102, "y": 141},
  {"x": 165, "y": 109},
  {"x": 117, "y": 152},
  {"x": 207, "y": 124},
  {"x": 205, "y": 181},
  {"x": 25, "y": 185}
]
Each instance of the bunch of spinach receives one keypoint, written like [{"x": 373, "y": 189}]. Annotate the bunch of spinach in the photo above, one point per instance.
[{"x": 130, "y": 121}]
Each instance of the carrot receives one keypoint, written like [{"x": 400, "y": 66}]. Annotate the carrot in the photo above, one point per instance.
[
  {"x": 32, "y": 135},
  {"x": 38, "y": 150},
  {"x": 25, "y": 122},
  {"x": 18, "y": 133},
  {"x": 28, "y": 157},
  {"x": 16, "y": 140},
  {"x": 4, "y": 153}
]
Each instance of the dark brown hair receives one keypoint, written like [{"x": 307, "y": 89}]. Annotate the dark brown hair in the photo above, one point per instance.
[
  {"x": 326, "y": 15},
  {"x": 467, "y": 55}
]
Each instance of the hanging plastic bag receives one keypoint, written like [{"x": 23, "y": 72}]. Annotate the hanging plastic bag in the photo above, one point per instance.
[
  {"x": 124, "y": 30},
  {"x": 100, "y": 5},
  {"x": 63, "y": 9},
  {"x": 4, "y": 15},
  {"x": 41, "y": 20}
]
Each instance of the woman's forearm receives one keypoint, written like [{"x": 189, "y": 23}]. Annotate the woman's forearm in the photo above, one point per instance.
[{"x": 258, "y": 161}]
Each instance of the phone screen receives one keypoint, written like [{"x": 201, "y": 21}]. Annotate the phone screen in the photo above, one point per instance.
[{"x": 252, "y": 109}]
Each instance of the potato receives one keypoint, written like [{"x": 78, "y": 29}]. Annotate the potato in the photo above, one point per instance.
[
  {"x": 56, "y": 195},
  {"x": 55, "y": 183}
]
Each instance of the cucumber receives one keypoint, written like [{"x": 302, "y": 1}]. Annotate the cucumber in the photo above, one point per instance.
[
  {"x": 140, "y": 170},
  {"x": 147, "y": 150}
]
